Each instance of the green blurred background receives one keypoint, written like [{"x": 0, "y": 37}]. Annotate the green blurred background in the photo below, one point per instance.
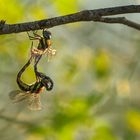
[{"x": 96, "y": 73}]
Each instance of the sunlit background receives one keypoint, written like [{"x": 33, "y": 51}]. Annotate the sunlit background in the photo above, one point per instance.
[{"x": 96, "y": 75}]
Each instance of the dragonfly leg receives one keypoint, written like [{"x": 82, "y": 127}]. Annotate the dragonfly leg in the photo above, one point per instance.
[
  {"x": 33, "y": 37},
  {"x": 36, "y": 35}
]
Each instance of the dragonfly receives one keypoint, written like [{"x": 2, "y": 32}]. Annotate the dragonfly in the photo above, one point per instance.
[
  {"x": 44, "y": 45},
  {"x": 31, "y": 93}
]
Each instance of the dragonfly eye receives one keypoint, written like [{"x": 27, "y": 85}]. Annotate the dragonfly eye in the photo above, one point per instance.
[
  {"x": 46, "y": 34},
  {"x": 48, "y": 83}
]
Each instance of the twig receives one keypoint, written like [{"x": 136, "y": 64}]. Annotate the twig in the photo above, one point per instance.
[
  {"x": 86, "y": 15},
  {"x": 121, "y": 20}
]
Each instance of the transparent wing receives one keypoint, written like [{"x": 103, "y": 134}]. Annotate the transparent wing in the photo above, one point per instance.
[
  {"x": 50, "y": 53},
  {"x": 31, "y": 100},
  {"x": 18, "y": 96},
  {"x": 34, "y": 102}
]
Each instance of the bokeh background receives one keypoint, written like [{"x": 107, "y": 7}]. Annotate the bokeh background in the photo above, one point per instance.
[{"x": 96, "y": 73}]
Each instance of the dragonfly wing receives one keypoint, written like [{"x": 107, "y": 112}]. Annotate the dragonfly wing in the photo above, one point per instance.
[
  {"x": 13, "y": 93},
  {"x": 18, "y": 96},
  {"x": 34, "y": 102}
]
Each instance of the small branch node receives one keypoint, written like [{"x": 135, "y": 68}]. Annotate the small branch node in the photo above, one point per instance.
[{"x": 2, "y": 23}]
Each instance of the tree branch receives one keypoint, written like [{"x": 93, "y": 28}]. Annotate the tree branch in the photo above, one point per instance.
[{"x": 86, "y": 15}]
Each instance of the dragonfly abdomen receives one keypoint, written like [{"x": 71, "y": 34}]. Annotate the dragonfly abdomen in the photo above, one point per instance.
[
  {"x": 23, "y": 86},
  {"x": 36, "y": 88}
]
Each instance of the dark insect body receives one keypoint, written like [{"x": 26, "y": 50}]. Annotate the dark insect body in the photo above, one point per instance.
[
  {"x": 43, "y": 80},
  {"x": 31, "y": 92}
]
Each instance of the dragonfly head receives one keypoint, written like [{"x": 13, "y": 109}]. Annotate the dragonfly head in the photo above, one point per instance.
[
  {"x": 46, "y": 34},
  {"x": 46, "y": 81}
]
